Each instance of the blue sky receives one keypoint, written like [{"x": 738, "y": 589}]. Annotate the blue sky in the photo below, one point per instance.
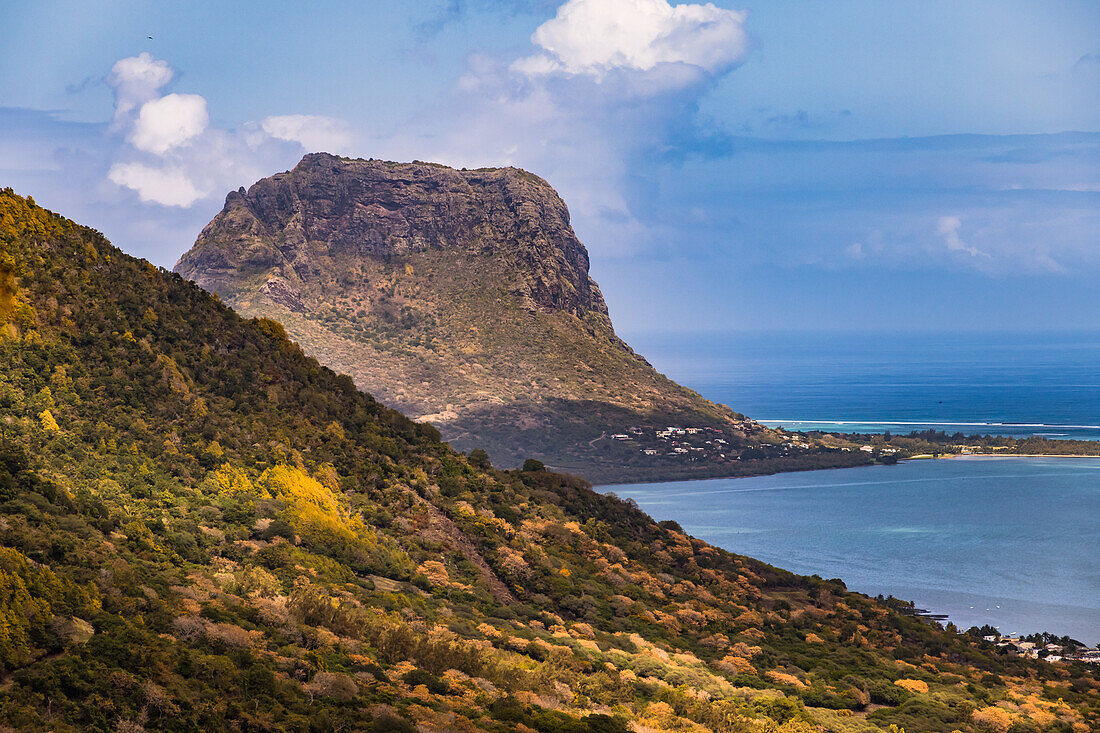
[{"x": 736, "y": 165}]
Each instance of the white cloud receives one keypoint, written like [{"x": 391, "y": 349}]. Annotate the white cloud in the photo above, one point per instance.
[
  {"x": 173, "y": 157},
  {"x": 315, "y": 133},
  {"x": 595, "y": 36},
  {"x": 607, "y": 86},
  {"x": 167, "y": 185},
  {"x": 169, "y": 122},
  {"x": 136, "y": 80},
  {"x": 948, "y": 228}
]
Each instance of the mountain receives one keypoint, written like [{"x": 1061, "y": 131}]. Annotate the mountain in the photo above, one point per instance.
[
  {"x": 203, "y": 529},
  {"x": 462, "y": 298}
]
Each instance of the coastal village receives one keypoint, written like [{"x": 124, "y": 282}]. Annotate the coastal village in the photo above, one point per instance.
[
  {"x": 1045, "y": 647},
  {"x": 744, "y": 442},
  {"x": 707, "y": 443}
]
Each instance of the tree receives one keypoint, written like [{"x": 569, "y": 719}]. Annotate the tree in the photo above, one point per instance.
[
  {"x": 532, "y": 464},
  {"x": 479, "y": 459}
]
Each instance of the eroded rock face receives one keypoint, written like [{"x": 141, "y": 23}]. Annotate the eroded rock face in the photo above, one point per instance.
[{"x": 339, "y": 208}]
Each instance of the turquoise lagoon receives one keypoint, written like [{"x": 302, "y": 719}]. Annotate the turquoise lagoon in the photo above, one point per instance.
[{"x": 1011, "y": 542}]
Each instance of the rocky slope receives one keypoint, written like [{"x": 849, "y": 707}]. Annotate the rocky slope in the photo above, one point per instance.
[
  {"x": 462, "y": 297},
  {"x": 203, "y": 529}
]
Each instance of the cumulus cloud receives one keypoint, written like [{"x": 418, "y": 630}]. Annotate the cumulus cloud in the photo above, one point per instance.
[
  {"x": 606, "y": 86},
  {"x": 948, "y": 228},
  {"x": 595, "y": 36},
  {"x": 315, "y": 133},
  {"x": 167, "y": 185},
  {"x": 168, "y": 154},
  {"x": 169, "y": 122},
  {"x": 135, "y": 81}
]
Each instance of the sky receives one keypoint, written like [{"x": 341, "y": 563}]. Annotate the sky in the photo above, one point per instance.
[{"x": 913, "y": 165}]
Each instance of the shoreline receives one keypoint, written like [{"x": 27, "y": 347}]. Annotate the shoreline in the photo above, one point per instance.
[
  {"x": 731, "y": 478},
  {"x": 1018, "y": 455},
  {"x": 770, "y": 422},
  {"x": 923, "y": 457}
]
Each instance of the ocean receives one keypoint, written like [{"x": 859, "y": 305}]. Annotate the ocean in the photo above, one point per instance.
[
  {"x": 1012, "y": 542},
  {"x": 990, "y": 384}
]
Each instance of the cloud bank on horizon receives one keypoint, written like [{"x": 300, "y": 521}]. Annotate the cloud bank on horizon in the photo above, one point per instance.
[{"x": 626, "y": 107}]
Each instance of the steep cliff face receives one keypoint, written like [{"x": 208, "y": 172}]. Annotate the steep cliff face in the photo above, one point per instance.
[
  {"x": 463, "y": 298},
  {"x": 330, "y": 207}
]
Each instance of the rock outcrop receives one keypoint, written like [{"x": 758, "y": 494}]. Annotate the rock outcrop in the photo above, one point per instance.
[{"x": 374, "y": 209}]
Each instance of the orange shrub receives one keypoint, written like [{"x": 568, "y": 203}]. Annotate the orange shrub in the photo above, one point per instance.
[{"x": 912, "y": 685}]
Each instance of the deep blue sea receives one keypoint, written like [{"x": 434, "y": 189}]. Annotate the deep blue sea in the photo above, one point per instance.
[
  {"x": 991, "y": 384},
  {"x": 1013, "y": 542}
]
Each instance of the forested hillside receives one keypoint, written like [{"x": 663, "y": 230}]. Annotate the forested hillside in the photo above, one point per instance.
[{"x": 202, "y": 529}]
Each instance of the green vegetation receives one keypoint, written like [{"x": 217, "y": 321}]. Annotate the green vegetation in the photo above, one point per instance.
[
  {"x": 209, "y": 531},
  {"x": 938, "y": 441},
  {"x": 888, "y": 448}
]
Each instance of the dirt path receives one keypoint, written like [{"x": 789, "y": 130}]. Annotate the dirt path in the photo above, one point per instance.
[{"x": 442, "y": 529}]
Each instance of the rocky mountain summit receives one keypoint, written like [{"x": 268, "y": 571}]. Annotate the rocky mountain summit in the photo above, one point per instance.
[
  {"x": 330, "y": 206},
  {"x": 462, "y": 297}
]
